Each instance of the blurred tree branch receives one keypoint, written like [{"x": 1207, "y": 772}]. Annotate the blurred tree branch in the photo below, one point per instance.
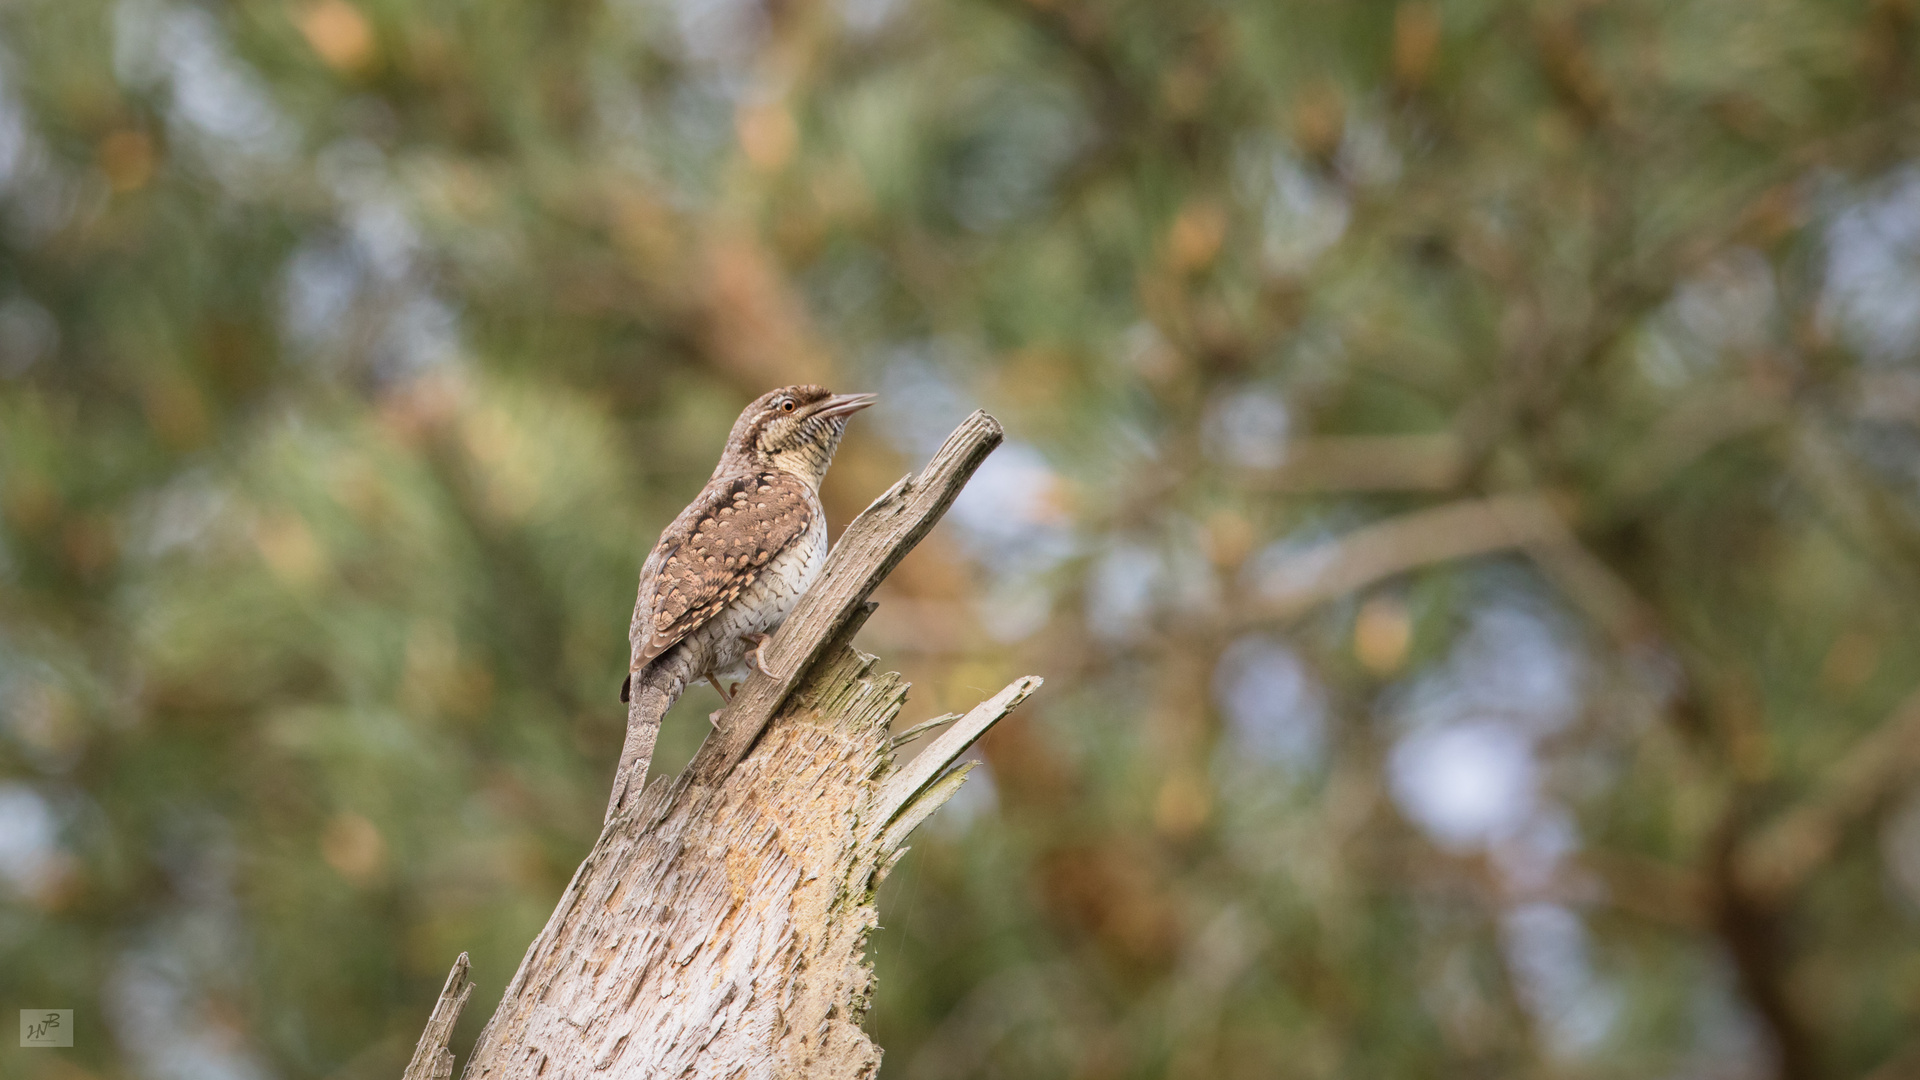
[
  {"x": 1776, "y": 859},
  {"x": 1384, "y": 549},
  {"x": 259, "y": 527},
  {"x": 1456, "y": 530},
  {"x": 1351, "y": 463}
]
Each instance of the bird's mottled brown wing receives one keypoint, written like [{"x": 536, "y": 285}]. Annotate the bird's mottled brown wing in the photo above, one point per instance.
[{"x": 714, "y": 549}]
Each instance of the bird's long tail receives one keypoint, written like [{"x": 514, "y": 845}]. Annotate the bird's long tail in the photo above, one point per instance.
[{"x": 649, "y": 693}]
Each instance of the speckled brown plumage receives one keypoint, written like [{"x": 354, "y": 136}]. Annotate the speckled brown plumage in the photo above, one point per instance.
[
  {"x": 715, "y": 549},
  {"x": 735, "y": 561}
]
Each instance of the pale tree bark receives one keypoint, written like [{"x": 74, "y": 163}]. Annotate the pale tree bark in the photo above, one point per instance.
[
  {"x": 431, "y": 1059},
  {"x": 718, "y": 926}
]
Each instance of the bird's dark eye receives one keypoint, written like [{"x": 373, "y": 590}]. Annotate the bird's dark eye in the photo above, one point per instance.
[{"x": 786, "y": 404}]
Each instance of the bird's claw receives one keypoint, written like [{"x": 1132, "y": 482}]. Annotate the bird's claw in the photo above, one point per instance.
[{"x": 756, "y": 658}]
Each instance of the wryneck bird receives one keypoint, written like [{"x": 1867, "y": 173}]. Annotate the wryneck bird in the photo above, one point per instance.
[{"x": 730, "y": 568}]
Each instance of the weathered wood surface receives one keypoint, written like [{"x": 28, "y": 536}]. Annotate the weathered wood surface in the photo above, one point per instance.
[
  {"x": 718, "y": 926},
  {"x": 872, "y": 545},
  {"x": 431, "y": 1058},
  {"x": 867, "y": 551}
]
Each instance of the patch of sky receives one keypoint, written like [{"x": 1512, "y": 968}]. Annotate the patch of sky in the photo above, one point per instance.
[
  {"x": 1013, "y": 609},
  {"x": 1731, "y": 306},
  {"x": 29, "y": 839},
  {"x": 978, "y": 797},
  {"x": 317, "y": 291},
  {"x": 1466, "y": 784},
  {"x": 28, "y": 334},
  {"x": 1900, "y": 850},
  {"x": 1010, "y": 515},
  {"x": 356, "y": 172},
  {"x": 1275, "y": 710},
  {"x": 158, "y": 1003},
  {"x": 1516, "y": 662},
  {"x": 19, "y": 146},
  {"x": 726, "y": 35},
  {"x": 1302, "y": 213},
  {"x": 1121, "y": 588},
  {"x": 921, "y": 395},
  {"x": 1367, "y": 155},
  {"x": 1729, "y": 1041},
  {"x": 1291, "y": 564},
  {"x": 420, "y": 334},
  {"x": 365, "y": 285},
  {"x": 1247, "y": 427},
  {"x": 218, "y": 103},
  {"x": 1548, "y": 950},
  {"x": 1529, "y": 859},
  {"x": 1871, "y": 293},
  {"x": 865, "y": 18},
  {"x": 159, "y": 991},
  {"x": 1465, "y": 769},
  {"x": 1134, "y": 581},
  {"x": 41, "y": 197}
]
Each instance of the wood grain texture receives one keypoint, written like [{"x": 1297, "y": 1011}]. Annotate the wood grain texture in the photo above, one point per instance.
[
  {"x": 431, "y": 1058},
  {"x": 909, "y": 781},
  {"x": 872, "y": 545},
  {"x": 718, "y": 926}
]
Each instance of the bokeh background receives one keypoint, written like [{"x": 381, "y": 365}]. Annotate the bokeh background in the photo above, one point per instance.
[{"x": 1462, "y": 489}]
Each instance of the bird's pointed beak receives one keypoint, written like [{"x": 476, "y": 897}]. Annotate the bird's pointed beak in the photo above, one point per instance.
[{"x": 846, "y": 404}]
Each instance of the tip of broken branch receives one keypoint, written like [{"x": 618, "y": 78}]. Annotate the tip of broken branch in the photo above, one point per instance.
[
  {"x": 868, "y": 550},
  {"x": 917, "y": 789},
  {"x": 431, "y": 1058}
]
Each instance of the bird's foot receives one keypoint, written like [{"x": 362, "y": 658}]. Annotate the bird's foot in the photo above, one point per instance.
[
  {"x": 726, "y": 694},
  {"x": 756, "y": 658},
  {"x": 714, "y": 718}
]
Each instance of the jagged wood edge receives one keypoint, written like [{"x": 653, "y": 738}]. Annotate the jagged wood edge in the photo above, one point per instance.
[
  {"x": 922, "y": 728},
  {"x": 431, "y": 1058},
  {"x": 872, "y": 545},
  {"x": 905, "y": 783}
]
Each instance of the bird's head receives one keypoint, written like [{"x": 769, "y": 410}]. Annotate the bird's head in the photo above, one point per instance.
[{"x": 795, "y": 428}]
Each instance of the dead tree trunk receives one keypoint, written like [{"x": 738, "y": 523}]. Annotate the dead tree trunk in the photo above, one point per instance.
[{"x": 718, "y": 927}]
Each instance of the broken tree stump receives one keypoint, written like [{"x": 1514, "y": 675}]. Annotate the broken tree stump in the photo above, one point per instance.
[{"x": 718, "y": 926}]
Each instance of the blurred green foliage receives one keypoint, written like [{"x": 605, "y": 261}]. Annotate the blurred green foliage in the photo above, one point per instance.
[{"x": 353, "y": 351}]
